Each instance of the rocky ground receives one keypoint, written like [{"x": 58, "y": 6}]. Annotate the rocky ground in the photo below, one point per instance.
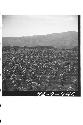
[{"x": 40, "y": 68}]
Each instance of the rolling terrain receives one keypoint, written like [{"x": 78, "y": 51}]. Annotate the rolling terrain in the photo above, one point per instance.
[
  {"x": 40, "y": 62},
  {"x": 60, "y": 40}
]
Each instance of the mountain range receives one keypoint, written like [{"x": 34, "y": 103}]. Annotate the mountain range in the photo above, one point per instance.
[{"x": 58, "y": 40}]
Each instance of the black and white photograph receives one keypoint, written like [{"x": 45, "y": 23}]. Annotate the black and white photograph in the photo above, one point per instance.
[{"x": 41, "y": 55}]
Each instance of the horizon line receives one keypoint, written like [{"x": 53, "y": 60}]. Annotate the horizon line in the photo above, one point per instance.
[{"x": 40, "y": 34}]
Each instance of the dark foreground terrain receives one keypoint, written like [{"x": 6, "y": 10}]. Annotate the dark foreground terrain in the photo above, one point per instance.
[{"x": 40, "y": 68}]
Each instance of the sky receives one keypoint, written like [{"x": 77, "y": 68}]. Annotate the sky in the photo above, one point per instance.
[{"x": 28, "y": 25}]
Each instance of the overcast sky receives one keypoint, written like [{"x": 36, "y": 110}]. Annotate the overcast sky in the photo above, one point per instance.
[{"x": 18, "y": 25}]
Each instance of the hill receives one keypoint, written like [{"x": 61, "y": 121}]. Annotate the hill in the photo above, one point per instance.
[{"x": 59, "y": 40}]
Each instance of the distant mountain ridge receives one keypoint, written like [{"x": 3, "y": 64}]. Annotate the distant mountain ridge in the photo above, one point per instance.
[{"x": 65, "y": 39}]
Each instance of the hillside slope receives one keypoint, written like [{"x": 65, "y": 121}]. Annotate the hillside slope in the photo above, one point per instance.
[{"x": 65, "y": 39}]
